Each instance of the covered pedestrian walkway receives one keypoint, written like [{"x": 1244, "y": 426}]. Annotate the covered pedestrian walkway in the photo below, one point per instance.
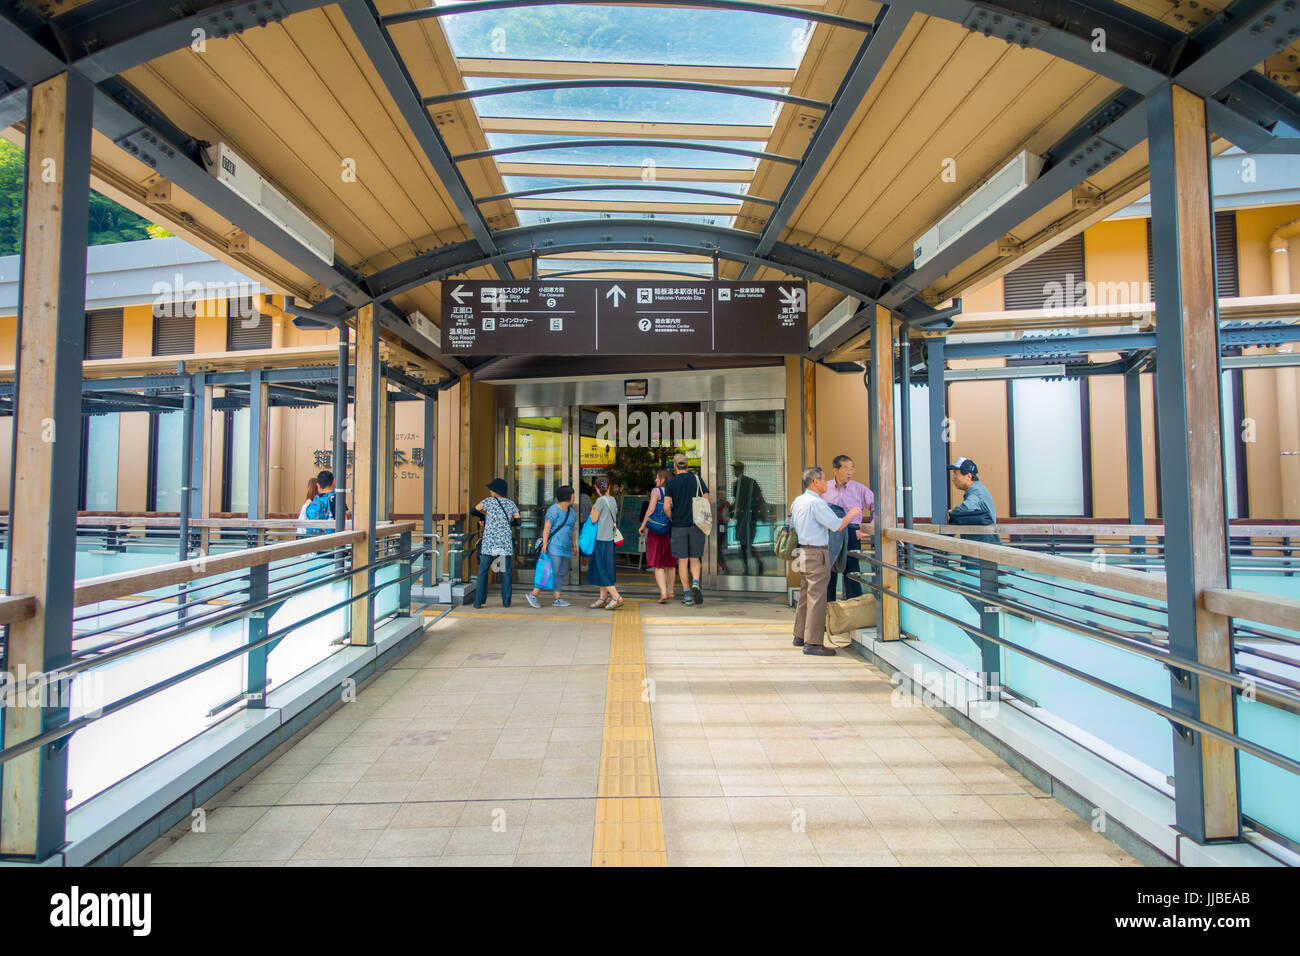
[
  {"x": 503, "y": 222},
  {"x": 495, "y": 741}
]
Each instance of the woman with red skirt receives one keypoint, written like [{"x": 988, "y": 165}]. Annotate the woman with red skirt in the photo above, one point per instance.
[{"x": 657, "y": 530}]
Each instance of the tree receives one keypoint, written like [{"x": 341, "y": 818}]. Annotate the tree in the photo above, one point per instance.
[{"x": 109, "y": 221}]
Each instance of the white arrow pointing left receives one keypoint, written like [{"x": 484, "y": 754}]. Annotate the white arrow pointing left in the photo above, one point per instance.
[{"x": 460, "y": 294}]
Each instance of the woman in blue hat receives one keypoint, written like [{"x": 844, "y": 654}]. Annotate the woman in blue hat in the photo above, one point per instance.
[{"x": 497, "y": 540}]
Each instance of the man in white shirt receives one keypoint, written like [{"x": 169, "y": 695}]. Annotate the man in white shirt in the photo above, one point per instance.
[{"x": 813, "y": 521}]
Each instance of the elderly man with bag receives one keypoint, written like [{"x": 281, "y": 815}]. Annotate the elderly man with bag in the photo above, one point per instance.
[{"x": 813, "y": 521}]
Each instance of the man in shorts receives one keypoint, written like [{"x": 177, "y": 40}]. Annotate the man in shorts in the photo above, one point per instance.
[{"x": 687, "y": 540}]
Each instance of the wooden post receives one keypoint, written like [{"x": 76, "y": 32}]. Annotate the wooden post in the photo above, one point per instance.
[
  {"x": 389, "y": 431},
  {"x": 882, "y": 386},
  {"x": 46, "y": 454},
  {"x": 463, "y": 489},
  {"x": 363, "y": 454},
  {"x": 1191, "y": 457},
  {"x": 808, "y": 406}
]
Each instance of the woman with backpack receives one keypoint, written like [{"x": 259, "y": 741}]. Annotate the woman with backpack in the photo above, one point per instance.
[
  {"x": 313, "y": 489},
  {"x": 657, "y": 528}
]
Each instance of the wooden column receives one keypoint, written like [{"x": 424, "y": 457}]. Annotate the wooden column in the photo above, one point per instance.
[
  {"x": 882, "y": 386},
  {"x": 464, "y": 460},
  {"x": 808, "y": 417},
  {"x": 364, "y": 449},
  {"x": 46, "y": 452},
  {"x": 1191, "y": 456},
  {"x": 389, "y": 431}
]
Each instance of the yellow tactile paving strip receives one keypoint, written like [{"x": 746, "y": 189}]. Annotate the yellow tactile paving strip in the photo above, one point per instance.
[{"x": 629, "y": 818}]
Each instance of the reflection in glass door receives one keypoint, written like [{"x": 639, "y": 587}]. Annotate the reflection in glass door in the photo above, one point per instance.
[
  {"x": 536, "y": 441},
  {"x": 749, "y": 469}
]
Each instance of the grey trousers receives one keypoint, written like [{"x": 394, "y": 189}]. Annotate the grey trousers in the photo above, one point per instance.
[{"x": 810, "y": 615}]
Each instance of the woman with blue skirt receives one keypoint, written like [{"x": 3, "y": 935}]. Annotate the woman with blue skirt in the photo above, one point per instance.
[{"x": 600, "y": 566}]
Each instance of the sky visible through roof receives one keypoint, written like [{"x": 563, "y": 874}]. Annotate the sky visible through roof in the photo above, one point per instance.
[{"x": 625, "y": 34}]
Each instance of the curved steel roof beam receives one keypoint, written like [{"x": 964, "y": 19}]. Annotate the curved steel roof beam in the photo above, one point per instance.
[
  {"x": 639, "y": 143},
  {"x": 533, "y": 86},
  {"x": 739, "y": 198}
]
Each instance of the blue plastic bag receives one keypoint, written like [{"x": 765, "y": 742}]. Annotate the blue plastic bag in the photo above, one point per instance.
[
  {"x": 587, "y": 540},
  {"x": 544, "y": 575}
]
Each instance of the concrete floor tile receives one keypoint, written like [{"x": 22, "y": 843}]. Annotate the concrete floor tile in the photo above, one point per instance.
[{"x": 421, "y": 842}]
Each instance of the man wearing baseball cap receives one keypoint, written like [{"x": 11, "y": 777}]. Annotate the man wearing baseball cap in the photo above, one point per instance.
[{"x": 977, "y": 505}]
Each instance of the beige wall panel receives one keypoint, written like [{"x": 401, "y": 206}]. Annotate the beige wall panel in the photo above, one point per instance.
[
  {"x": 1150, "y": 463},
  {"x": 1108, "y": 447},
  {"x": 979, "y": 413},
  {"x": 985, "y": 299},
  {"x": 1254, "y": 226},
  {"x": 842, "y": 421},
  {"x": 8, "y": 339},
  {"x": 137, "y": 331},
  {"x": 408, "y": 477},
  {"x": 133, "y": 461},
  {"x": 1263, "y": 458},
  {"x": 6, "y": 461},
  {"x": 1116, "y": 251}
]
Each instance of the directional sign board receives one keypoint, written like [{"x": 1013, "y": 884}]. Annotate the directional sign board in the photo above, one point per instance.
[{"x": 576, "y": 317}]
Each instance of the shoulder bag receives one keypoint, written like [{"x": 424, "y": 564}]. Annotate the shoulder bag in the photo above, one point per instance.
[{"x": 701, "y": 510}]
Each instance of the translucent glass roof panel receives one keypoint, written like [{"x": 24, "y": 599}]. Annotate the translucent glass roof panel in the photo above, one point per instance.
[
  {"x": 514, "y": 183},
  {"x": 533, "y": 217},
  {"x": 628, "y": 104},
  {"x": 623, "y": 265},
  {"x": 628, "y": 34},
  {"x": 619, "y": 155}
]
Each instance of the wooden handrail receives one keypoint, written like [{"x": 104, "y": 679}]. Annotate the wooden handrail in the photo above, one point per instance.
[
  {"x": 1270, "y": 609},
  {"x": 1103, "y": 530},
  {"x": 110, "y": 586},
  {"x": 17, "y": 607},
  {"x": 1143, "y": 583}
]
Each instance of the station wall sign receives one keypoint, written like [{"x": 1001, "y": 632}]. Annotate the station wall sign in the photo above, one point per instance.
[{"x": 576, "y": 317}]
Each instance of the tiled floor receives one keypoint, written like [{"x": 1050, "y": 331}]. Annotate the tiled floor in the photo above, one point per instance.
[{"x": 482, "y": 747}]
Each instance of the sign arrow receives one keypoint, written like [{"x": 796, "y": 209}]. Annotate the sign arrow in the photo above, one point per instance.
[
  {"x": 459, "y": 294},
  {"x": 793, "y": 298},
  {"x": 614, "y": 293}
]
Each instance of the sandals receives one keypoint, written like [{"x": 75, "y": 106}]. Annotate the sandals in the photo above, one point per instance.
[
  {"x": 614, "y": 604},
  {"x": 664, "y": 600},
  {"x": 599, "y": 602}
]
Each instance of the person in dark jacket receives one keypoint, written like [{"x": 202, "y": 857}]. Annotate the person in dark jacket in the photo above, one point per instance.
[{"x": 977, "y": 503}]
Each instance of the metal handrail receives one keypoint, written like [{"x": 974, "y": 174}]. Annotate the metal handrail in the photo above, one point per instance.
[
  {"x": 1182, "y": 720},
  {"x": 72, "y": 726}
]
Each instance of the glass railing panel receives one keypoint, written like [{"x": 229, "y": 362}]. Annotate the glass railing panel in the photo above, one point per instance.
[
  {"x": 306, "y": 646},
  {"x": 386, "y": 597},
  {"x": 928, "y": 629},
  {"x": 118, "y": 745}
]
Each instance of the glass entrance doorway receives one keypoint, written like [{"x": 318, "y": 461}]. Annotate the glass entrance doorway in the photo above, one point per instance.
[{"x": 736, "y": 447}]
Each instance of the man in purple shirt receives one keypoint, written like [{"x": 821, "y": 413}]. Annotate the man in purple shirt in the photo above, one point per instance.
[{"x": 842, "y": 490}]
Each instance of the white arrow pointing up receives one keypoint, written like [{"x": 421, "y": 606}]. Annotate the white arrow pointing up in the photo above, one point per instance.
[
  {"x": 459, "y": 294},
  {"x": 614, "y": 293}
]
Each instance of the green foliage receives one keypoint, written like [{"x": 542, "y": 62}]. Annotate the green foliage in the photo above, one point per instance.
[{"x": 109, "y": 222}]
